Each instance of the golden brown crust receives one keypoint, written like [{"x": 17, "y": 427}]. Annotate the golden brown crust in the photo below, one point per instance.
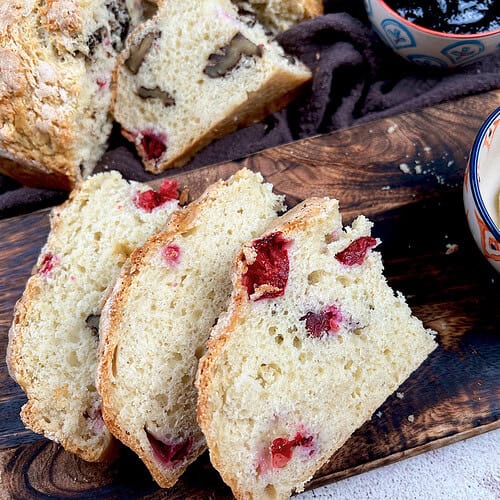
[
  {"x": 313, "y": 8},
  {"x": 63, "y": 16},
  {"x": 36, "y": 102},
  {"x": 30, "y": 416},
  {"x": 260, "y": 104},
  {"x": 181, "y": 221},
  {"x": 36, "y": 175}
]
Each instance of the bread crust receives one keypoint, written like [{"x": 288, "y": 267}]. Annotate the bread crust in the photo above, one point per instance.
[
  {"x": 258, "y": 105},
  {"x": 313, "y": 8},
  {"x": 36, "y": 129},
  {"x": 54, "y": 94},
  {"x": 180, "y": 222}
]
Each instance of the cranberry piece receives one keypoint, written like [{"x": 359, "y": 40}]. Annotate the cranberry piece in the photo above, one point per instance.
[
  {"x": 169, "y": 190},
  {"x": 356, "y": 252},
  {"x": 149, "y": 200},
  {"x": 327, "y": 321},
  {"x": 48, "y": 263},
  {"x": 153, "y": 144},
  {"x": 171, "y": 254},
  {"x": 282, "y": 449},
  {"x": 267, "y": 275},
  {"x": 169, "y": 453}
]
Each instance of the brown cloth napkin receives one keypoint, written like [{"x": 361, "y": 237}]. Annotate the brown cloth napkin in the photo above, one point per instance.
[{"x": 356, "y": 79}]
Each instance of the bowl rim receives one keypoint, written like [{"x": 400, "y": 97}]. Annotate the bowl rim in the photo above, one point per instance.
[
  {"x": 473, "y": 177},
  {"x": 438, "y": 33}
]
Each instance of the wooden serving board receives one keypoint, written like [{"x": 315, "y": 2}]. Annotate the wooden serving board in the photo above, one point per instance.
[{"x": 456, "y": 392}]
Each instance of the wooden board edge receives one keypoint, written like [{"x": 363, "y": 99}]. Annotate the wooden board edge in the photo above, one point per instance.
[
  {"x": 396, "y": 457},
  {"x": 186, "y": 175}
]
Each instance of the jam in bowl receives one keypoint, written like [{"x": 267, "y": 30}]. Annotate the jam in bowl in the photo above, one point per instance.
[{"x": 439, "y": 34}]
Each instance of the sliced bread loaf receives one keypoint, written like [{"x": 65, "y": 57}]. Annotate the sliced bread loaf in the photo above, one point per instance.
[
  {"x": 155, "y": 324},
  {"x": 55, "y": 86},
  {"x": 197, "y": 71},
  {"x": 279, "y": 15},
  {"x": 313, "y": 342},
  {"x": 52, "y": 350}
]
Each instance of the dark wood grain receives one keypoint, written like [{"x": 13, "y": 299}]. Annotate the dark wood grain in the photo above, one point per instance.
[{"x": 454, "y": 395}]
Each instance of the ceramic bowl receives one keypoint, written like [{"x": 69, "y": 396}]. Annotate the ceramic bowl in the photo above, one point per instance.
[
  {"x": 427, "y": 47},
  {"x": 482, "y": 187}
]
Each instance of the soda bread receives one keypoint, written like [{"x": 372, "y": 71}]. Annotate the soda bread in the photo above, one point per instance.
[
  {"x": 194, "y": 72},
  {"x": 313, "y": 342},
  {"x": 53, "y": 340},
  {"x": 57, "y": 58},
  {"x": 279, "y": 15},
  {"x": 155, "y": 324}
]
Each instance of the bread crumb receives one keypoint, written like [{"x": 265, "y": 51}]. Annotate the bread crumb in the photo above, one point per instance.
[
  {"x": 392, "y": 129},
  {"x": 404, "y": 168},
  {"x": 385, "y": 188},
  {"x": 450, "y": 163},
  {"x": 379, "y": 414},
  {"x": 400, "y": 395},
  {"x": 418, "y": 169},
  {"x": 411, "y": 418},
  {"x": 427, "y": 149},
  {"x": 451, "y": 248},
  {"x": 318, "y": 56}
]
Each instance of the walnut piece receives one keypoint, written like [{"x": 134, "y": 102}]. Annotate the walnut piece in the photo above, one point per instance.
[
  {"x": 138, "y": 52},
  {"x": 93, "y": 323},
  {"x": 96, "y": 39},
  {"x": 247, "y": 16},
  {"x": 156, "y": 93},
  {"x": 149, "y": 8},
  {"x": 119, "y": 22},
  {"x": 223, "y": 61}
]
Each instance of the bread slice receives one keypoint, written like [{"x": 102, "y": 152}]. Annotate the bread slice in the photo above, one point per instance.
[
  {"x": 155, "y": 324},
  {"x": 313, "y": 342},
  {"x": 55, "y": 86},
  {"x": 279, "y": 15},
  {"x": 53, "y": 339},
  {"x": 195, "y": 72}
]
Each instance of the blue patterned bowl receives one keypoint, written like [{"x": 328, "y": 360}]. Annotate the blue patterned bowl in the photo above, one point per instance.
[
  {"x": 427, "y": 47},
  {"x": 482, "y": 187}
]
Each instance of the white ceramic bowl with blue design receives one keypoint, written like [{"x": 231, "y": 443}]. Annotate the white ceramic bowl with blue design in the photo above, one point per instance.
[
  {"x": 482, "y": 187},
  {"x": 427, "y": 47}
]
